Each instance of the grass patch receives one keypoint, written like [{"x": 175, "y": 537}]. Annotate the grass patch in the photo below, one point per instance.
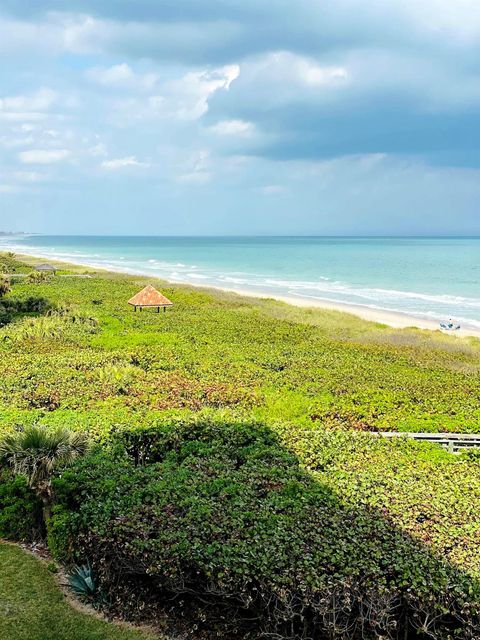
[{"x": 32, "y": 607}]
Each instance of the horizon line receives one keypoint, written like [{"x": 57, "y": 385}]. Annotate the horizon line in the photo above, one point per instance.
[{"x": 7, "y": 234}]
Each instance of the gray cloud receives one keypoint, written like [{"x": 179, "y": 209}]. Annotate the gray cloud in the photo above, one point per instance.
[
  {"x": 413, "y": 68},
  {"x": 242, "y": 104}
]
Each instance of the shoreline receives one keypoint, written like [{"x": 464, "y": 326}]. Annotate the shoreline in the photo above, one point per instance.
[{"x": 393, "y": 319}]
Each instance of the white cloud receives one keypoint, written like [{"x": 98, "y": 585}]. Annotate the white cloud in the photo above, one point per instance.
[
  {"x": 315, "y": 75},
  {"x": 283, "y": 72},
  {"x": 189, "y": 95},
  {"x": 41, "y": 100},
  {"x": 120, "y": 163},
  {"x": 43, "y": 156},
  {"x": 232, "y": 128},
  {"x": 27, "y": 107},
  {"x": 122, "y": 76},
  {"x": 82, "y": 34},
  {"x": 185, "y": 99}
]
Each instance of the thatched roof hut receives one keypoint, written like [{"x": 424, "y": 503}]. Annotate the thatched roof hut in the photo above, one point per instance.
[
  {"x": 150, "y": 297},
  {"x": 46, "y": 267}
]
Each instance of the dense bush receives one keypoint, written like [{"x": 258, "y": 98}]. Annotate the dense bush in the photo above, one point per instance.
[
  {"x": 29, "y": 304},
  {"x": 224, "y": 517},
  {"x": 20, "y": 509},
  {"x": 13, "y": 307}
]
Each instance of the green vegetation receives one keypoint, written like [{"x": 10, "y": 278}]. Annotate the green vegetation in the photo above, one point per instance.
[
  {"x": 35, "y": 453},
  {"x": 222, "y": 512},
  {"x": 10, "y": 264},
  {"x": 233, "y": 468},
  {"x": 97, "y": 358},
  {"x": 38, "y": 277},
  {"x": 32, "y": 607}
]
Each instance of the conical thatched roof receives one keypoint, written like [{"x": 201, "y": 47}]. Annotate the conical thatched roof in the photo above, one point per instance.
[
  {"x": 150, "y": 297},
  {"x": 45, "y": 267}
]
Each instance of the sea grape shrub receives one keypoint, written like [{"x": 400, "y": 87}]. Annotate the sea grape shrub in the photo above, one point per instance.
[
  {"x": 20, "y": 509},
  {"x": 223, "y": 515}
]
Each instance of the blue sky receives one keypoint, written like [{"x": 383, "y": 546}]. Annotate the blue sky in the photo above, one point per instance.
[{"x": 240, "y": 116}]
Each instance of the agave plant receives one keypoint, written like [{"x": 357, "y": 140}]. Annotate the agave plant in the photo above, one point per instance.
[
  {"x": 36, "y": 452},
  {"x": 83, "y": 583}
]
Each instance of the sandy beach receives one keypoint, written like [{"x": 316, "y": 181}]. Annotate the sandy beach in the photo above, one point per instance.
[{"x": 390, "y": 318}]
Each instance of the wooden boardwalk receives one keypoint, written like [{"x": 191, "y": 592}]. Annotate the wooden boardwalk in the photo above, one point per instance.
[{"x": 453, "y": 442}]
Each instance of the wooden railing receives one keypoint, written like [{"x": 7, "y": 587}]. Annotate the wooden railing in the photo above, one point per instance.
[{"x": 453, "y": 442}]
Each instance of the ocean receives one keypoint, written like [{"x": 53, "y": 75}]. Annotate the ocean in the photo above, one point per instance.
[{"x": 429, "y": 278}]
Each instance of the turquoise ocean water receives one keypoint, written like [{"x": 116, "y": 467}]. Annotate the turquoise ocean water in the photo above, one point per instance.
[{"x": 432, "y": 278}]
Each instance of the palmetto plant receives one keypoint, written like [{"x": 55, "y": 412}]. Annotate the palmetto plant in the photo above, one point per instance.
[{"x": 36, "y": 452}]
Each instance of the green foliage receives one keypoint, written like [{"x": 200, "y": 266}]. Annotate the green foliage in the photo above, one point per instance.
[
  {"x": 13, "y": 308},
  {"x": 35, "y": 452},
  {"x": 172, "y": 503},
  {"x": 225, "y": 513},
  {"x": 10, "y": 264},
  {"x": 56, "y": 326},
  {"x": 221, "y": 351},
  {"x": 38, "y": 277},
  {"x": 20, "y": 509}
]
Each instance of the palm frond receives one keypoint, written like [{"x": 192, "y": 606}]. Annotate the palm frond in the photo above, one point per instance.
[{"x": 36, "y": 451}]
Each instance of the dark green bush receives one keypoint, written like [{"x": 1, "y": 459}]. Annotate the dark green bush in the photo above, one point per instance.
[
  {"x": 31, "y": 304},
  {"x": 223, "y": 515},
  {"x": 20, "y": 509}
]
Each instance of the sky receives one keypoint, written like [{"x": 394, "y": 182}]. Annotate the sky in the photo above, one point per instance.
[{"x": 186, "y": 117}]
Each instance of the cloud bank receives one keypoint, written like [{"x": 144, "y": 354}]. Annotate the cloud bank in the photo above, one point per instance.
[{"x": 238, "y": 116}]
